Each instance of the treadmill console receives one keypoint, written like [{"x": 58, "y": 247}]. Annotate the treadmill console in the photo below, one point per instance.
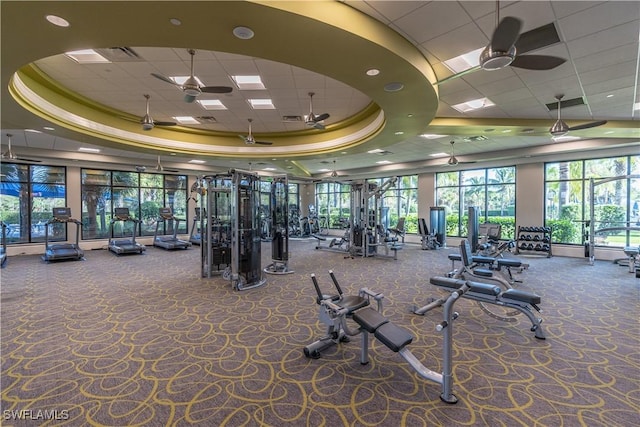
[
  {"x": 165, "y": 213},
  {"x": 62, "y": 214},
  {"x": 121, "y": 213}
]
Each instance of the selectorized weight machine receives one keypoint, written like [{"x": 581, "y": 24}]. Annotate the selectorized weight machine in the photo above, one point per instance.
[
  {"x": 230, "y": 227},
  {"x": 279, "y": 206}
]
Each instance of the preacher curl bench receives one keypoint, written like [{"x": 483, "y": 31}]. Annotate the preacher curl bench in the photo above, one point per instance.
[{"x": 336, "y": 309}]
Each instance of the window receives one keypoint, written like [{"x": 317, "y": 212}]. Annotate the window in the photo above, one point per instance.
[
  {"x": 142, "y": 193},
  {"x": 493, "y": 190},
  {"x": 615, "y": 203},
  {"x": 333, "y": 200},
  {"x": 29, "y": 194}
]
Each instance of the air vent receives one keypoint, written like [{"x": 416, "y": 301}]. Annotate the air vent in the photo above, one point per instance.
[
  {"x": 291, "y": 118},
  {"x": 207, "y": 119},
  {"x": 537, "y": 38},
  {"x": 120, "y": 54},
  {"x": 475, "y": 138},
  {"x": 552, "y": 106}
]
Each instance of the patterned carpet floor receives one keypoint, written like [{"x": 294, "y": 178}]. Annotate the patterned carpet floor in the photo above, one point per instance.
[{"x": 145, "y": 341}]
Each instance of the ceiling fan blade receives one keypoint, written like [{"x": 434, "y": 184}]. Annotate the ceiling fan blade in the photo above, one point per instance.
[
  {"x": 537, "y": 62},
  {"x": 164, "y": 123},
  {"x": 164, "y": 79},
  {"x": 460, "y": 74},
  {"x": 216, "y": 89},
  {"x": 537, "y": 38},
  {"x": 189, "y": 98},
  {"x": 263, "y": 142},
  {"x": 318, "y": 126},
  {"x": 321, "y": 117},
  {"x": 506, "y": 34},
  {"x": 588, "y": 125}
]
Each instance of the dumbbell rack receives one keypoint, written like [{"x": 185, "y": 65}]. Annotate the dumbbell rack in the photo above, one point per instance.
[{"x": 534, "y": 239}]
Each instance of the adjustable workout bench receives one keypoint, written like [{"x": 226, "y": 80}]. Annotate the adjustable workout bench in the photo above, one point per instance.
[
  {"x": 334, "y": 311},
  {"x": 491, "y": 294},
  {"x": 484, "y": 266}
]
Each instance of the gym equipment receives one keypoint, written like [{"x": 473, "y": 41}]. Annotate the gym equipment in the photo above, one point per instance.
[
  {"x": 195, "y": 235},
  {"x": 428, "y": 239},
  {"x": 125, "y": 246},
  {"x": 399, "y": 230},
  {"x": 170, "y": 241},
  {"x": 337, "y": 308},
  {"x": 232, "y": 237},
  {"x": 632, "y": 260},
  {"x": 438, "y": 222},
  {"x": 592, "y": 230},
  {"x": 279, "y": 226},
  {"x": 473, "y": 227},
  {"x": 339, "y": 245},
  {"x": 541, "y": 236},
  {"x": 3, "y": 245},
  {"x": 215, "y": 225},
  {"x": 62, "y": 251},
  {"x": 489, "y": 296}
]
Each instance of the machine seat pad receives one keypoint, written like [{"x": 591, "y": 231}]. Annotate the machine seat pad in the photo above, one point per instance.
[
  {"x": 352, "y": 302},
  {"x": 318, "y": 237},
  {"x": 455, "y": 257},
  {"x": 509, "y": 263},
  {"x": 369, "y": 319},
  {"x": 484, "y": 272},
  {"x": 483, "y": 259},
  {"x": 484, "y": 288},
  {"x": 447, "y": 282},
  {"x": 393, "y": 336},
  {"x": 517, "y": 295},
  {"x": 631, "y": 250}
]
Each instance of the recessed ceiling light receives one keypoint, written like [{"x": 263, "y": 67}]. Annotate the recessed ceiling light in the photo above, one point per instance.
[
  {"x": 87, "y": 56},
  {"x": 609, "y": 132},
  {"x": 172, "y": 154},
  {"x": 89, "y": 150},
  {"x": 506, "y": 131},
  {"x": 432, "y": 136},
  {"x": 248, "y": 82},
  {"x": 464, "y": 61},
  {"x": 474, "y": 104},
  {"x": 269, "y": 169},
  {"x": 399, "y": 132},
  {"x": 187, "y": 120},
  {"x": 324, "y": 170},
  {"x": 48, "y": 128},
  {"x": 211, "y": 104},
  {"x": 564, "y": 138},
  {"x": 199, "y": 162},
  {"x": 375, "y": 151},
  {"x": 58, "y": 21},
  {"x": 610, "y": 95},
  {"x": 261, "y": 104},
  {"x": 383, "y": 162},
  {"x": 373, "y": 72},
  {"x": 32, "y": 131},
  {"x": 393, "y": 87},
  {"x": 175, "y": 21},
  {"x": 438, "y": 154},
  {"x": 409, "y": 115},
  {"x": 528, "y": 130},
  {"x": 243, "y": 33}
]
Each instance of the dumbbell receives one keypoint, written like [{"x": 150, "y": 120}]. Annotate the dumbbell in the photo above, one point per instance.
[
  {"x": 523, "y": 246},
  {"x": 538, "y": 247},
  {"x": 546, "y": 248},
  {"x": 528, "y": 236},
  {"x": 545, "y": 240},
  {"x": 530, "y": 246},
  {"x": 536, "y": 238}
]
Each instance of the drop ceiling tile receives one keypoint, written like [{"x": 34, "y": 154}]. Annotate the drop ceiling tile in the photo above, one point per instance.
[
  {"x": 503, "y": 86},
  {"x": 603, "y": 40},
  {"x": 626, "y": 69},
  {"x": 393, "y": 10},
  {"x": 598, "y": 18},
  {"x": 566, "y": 8},
  {"x": 533, "y": 14},
  {"x": 454, "y": 43},
  {"x": 433, "y": 19}
]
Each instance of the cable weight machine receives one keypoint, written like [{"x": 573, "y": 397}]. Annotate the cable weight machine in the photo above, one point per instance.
[
  {"x": 231, "y": 243},
  {"x": 279, "y": 226}
]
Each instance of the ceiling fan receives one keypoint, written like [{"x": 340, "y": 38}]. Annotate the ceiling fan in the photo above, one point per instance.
[
  {"x": 453, "y": 160},
  {"x": 11, "y": 156},
  {"x": 158, "y": 168},
  {"x": 250, "y": 140},
  {"x": 148, "y": 123},
  {"x": 190, "y": 87},
  {"x": 560, "y": 128},
  {"x": 505, "y": 50},
  {"x": 312, "y": 120}
]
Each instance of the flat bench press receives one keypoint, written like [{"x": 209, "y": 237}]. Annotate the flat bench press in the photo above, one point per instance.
[
  {"x": 491, "y": 294},
  {"x": 394, "y": 337}
]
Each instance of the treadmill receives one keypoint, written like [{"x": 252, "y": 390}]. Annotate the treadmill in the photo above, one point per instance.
[
  {"x": 3, "y": 246},
  {"x": 62, "y": 251},
  {"x": 195, "y": 236},
  {"x": 125, "y": 246},
  {"x": 169, "y": 241}
]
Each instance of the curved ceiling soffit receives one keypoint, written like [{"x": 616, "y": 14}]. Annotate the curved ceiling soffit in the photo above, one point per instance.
[{"x": 342, "y": 30}]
